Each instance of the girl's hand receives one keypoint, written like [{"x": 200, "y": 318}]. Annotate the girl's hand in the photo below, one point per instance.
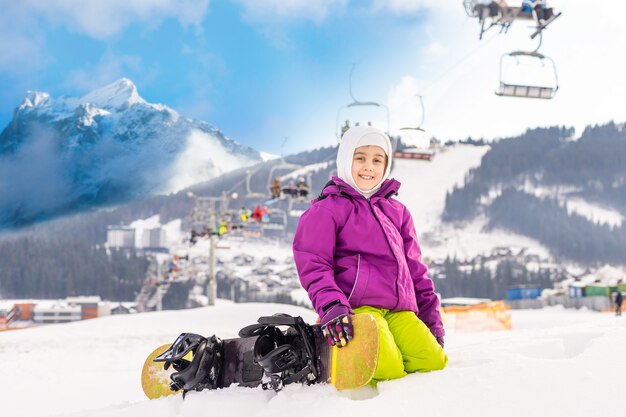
[{"x": 337, "y": 325}]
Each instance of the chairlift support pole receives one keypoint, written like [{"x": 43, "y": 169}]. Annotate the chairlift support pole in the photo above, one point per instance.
[{"x": 205, "y": 213}]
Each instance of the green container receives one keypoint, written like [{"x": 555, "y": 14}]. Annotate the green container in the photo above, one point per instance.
[{"x": 597, "y": 290}]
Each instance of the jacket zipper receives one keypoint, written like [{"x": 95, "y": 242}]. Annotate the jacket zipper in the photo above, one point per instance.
[
  {"x": 356, "y": 279},
  {"x": 390, "y": 247}
]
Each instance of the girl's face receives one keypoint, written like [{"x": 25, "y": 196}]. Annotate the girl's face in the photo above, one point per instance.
[{"x": 368, "y": 166}]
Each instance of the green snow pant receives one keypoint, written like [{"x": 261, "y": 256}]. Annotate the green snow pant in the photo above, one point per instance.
[{"x": 406, "y": 344}]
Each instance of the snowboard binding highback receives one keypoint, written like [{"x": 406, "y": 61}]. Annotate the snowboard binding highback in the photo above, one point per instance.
[{"x": 204, "y": 369}]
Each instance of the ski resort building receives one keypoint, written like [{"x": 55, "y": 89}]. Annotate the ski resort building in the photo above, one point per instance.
[
  {"x": 120, "y": 237},
  {"x": 415, "y": 153},
  {"x": 23, "y": 313},
  {"x": 154, "y": 238}
]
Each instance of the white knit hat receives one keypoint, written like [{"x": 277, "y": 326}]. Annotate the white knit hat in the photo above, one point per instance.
[{"x": 361, "y": 136}]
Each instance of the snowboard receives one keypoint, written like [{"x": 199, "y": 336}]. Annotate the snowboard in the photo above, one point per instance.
[{"x": 348, "y": 367}]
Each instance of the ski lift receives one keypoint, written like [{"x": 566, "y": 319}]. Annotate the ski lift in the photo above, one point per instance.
[
  {"x": 419, "y": 127},
  {"x": 298, "y": 206},
  {"x": 277, "y": 220},
  {"x": 497, "y": 13},
  {"x": 416, "y": 140},
  {"x": 545, "y": 90},
  {"x": 357, "y": 105},
  {"x": 249, "y": 193},
  {"x": 282, "y": 166}
]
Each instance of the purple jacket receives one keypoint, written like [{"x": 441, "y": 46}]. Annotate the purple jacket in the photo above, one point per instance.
[{"x": 364, "y": 252}]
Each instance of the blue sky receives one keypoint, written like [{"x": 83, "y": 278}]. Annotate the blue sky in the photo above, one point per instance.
[
  {"x": 255, "y": 74},
  {"x": 266, "y": 70}
]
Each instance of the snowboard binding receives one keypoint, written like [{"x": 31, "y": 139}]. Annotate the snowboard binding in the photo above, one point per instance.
[
  {"x": 203, "y": 371},
  {"x": 285, "y": 357}
]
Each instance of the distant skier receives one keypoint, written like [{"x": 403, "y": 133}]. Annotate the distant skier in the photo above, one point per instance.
[
  {"x": 223, "y": 228},
  {"x": 244, "y": 214},
  {"x": 356, "y": 251},
  {"x": 260, "y": 214},
  {"x": 618, "y": 303},
  {"x": 543, "y": 13},
  {"x": 291, "y": 189},
  {"x": 275, "y": 188},
  {"x": 303, "y": 188}
]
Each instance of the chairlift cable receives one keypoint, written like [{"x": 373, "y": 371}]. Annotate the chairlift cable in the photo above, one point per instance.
[{"x": 459, "y": 62}]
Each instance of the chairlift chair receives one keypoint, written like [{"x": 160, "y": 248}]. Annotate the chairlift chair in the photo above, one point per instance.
[
  {"x": 277, "y": 220},
  {"x": 508, "y": 89},
  {"x": 249, "y": 193},
  {"x": 281, "y": 166},
  {"x": 358, "y": 104},
  {"x": 419, "y": 127},
  {"x": 298, "y": 206}
]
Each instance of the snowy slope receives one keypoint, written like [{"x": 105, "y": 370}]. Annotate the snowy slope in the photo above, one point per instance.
[
  {"x": 554, "y": 362},
  {"x": 423, "y": 191}
]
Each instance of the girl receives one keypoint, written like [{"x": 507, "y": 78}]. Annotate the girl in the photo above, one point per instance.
[{"x": 356, "y": 252}]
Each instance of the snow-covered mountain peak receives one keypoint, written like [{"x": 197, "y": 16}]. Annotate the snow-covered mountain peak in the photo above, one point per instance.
[
  {"x": 35, "y": 99},
  {"x": 119, "y": 95},
  {"x": 107, "y": 146}
]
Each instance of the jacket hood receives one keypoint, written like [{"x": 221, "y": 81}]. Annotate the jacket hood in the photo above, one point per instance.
[{"x": 362, "y": 136}]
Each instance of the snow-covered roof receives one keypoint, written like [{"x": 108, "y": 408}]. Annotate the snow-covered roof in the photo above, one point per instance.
[{"x": 463, "y": 301}]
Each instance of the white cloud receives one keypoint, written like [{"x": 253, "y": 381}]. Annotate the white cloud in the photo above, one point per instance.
[
  {"x": 284, "y": 10},
  {"x": 107, "y": 70},
  {"x": 102, "y": 19},
  {"x": 404, "y": 105},
  {"x": 22, "y": 41},
  {"x": 403, "y": 7}
]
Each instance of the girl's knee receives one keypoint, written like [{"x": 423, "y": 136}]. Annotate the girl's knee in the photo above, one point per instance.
[
  {"x": 433, "y": 361},
  {"x": 440, "y": 361}
]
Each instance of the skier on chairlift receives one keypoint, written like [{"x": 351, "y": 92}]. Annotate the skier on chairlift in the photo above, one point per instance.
[
  {"x": 303, "y": 188},
  {"x": 244, "y": 213},
  {"x": 291, "y": 189},
  {"x": 542, "y": 11},
  {"x": 275, "y": 188},
  {"x": 487, "y": 8}
]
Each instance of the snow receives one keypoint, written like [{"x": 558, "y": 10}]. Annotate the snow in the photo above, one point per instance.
[
  {"x": 424, "y": 183},
  {"x": 118, "y": 95},
  {"x": 144, "y": 224},
  {"x": 423, "y": 191},
  {"x": 265, "y": 156},
  {"x": 193, "y": 165},
  {"x": 306, "y": 170},
  {"x": 35, "y": 99},
  {"x": 553, "y": 362},
  {"x": 463, "y": 301},
  {"x": 593, "y": 212},
  {"x": 173, "y": 233}
]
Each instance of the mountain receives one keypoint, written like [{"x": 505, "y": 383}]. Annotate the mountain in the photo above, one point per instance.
[
  {"x": 110, "y": 146},
  {"x": 568, "y": 194}
]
